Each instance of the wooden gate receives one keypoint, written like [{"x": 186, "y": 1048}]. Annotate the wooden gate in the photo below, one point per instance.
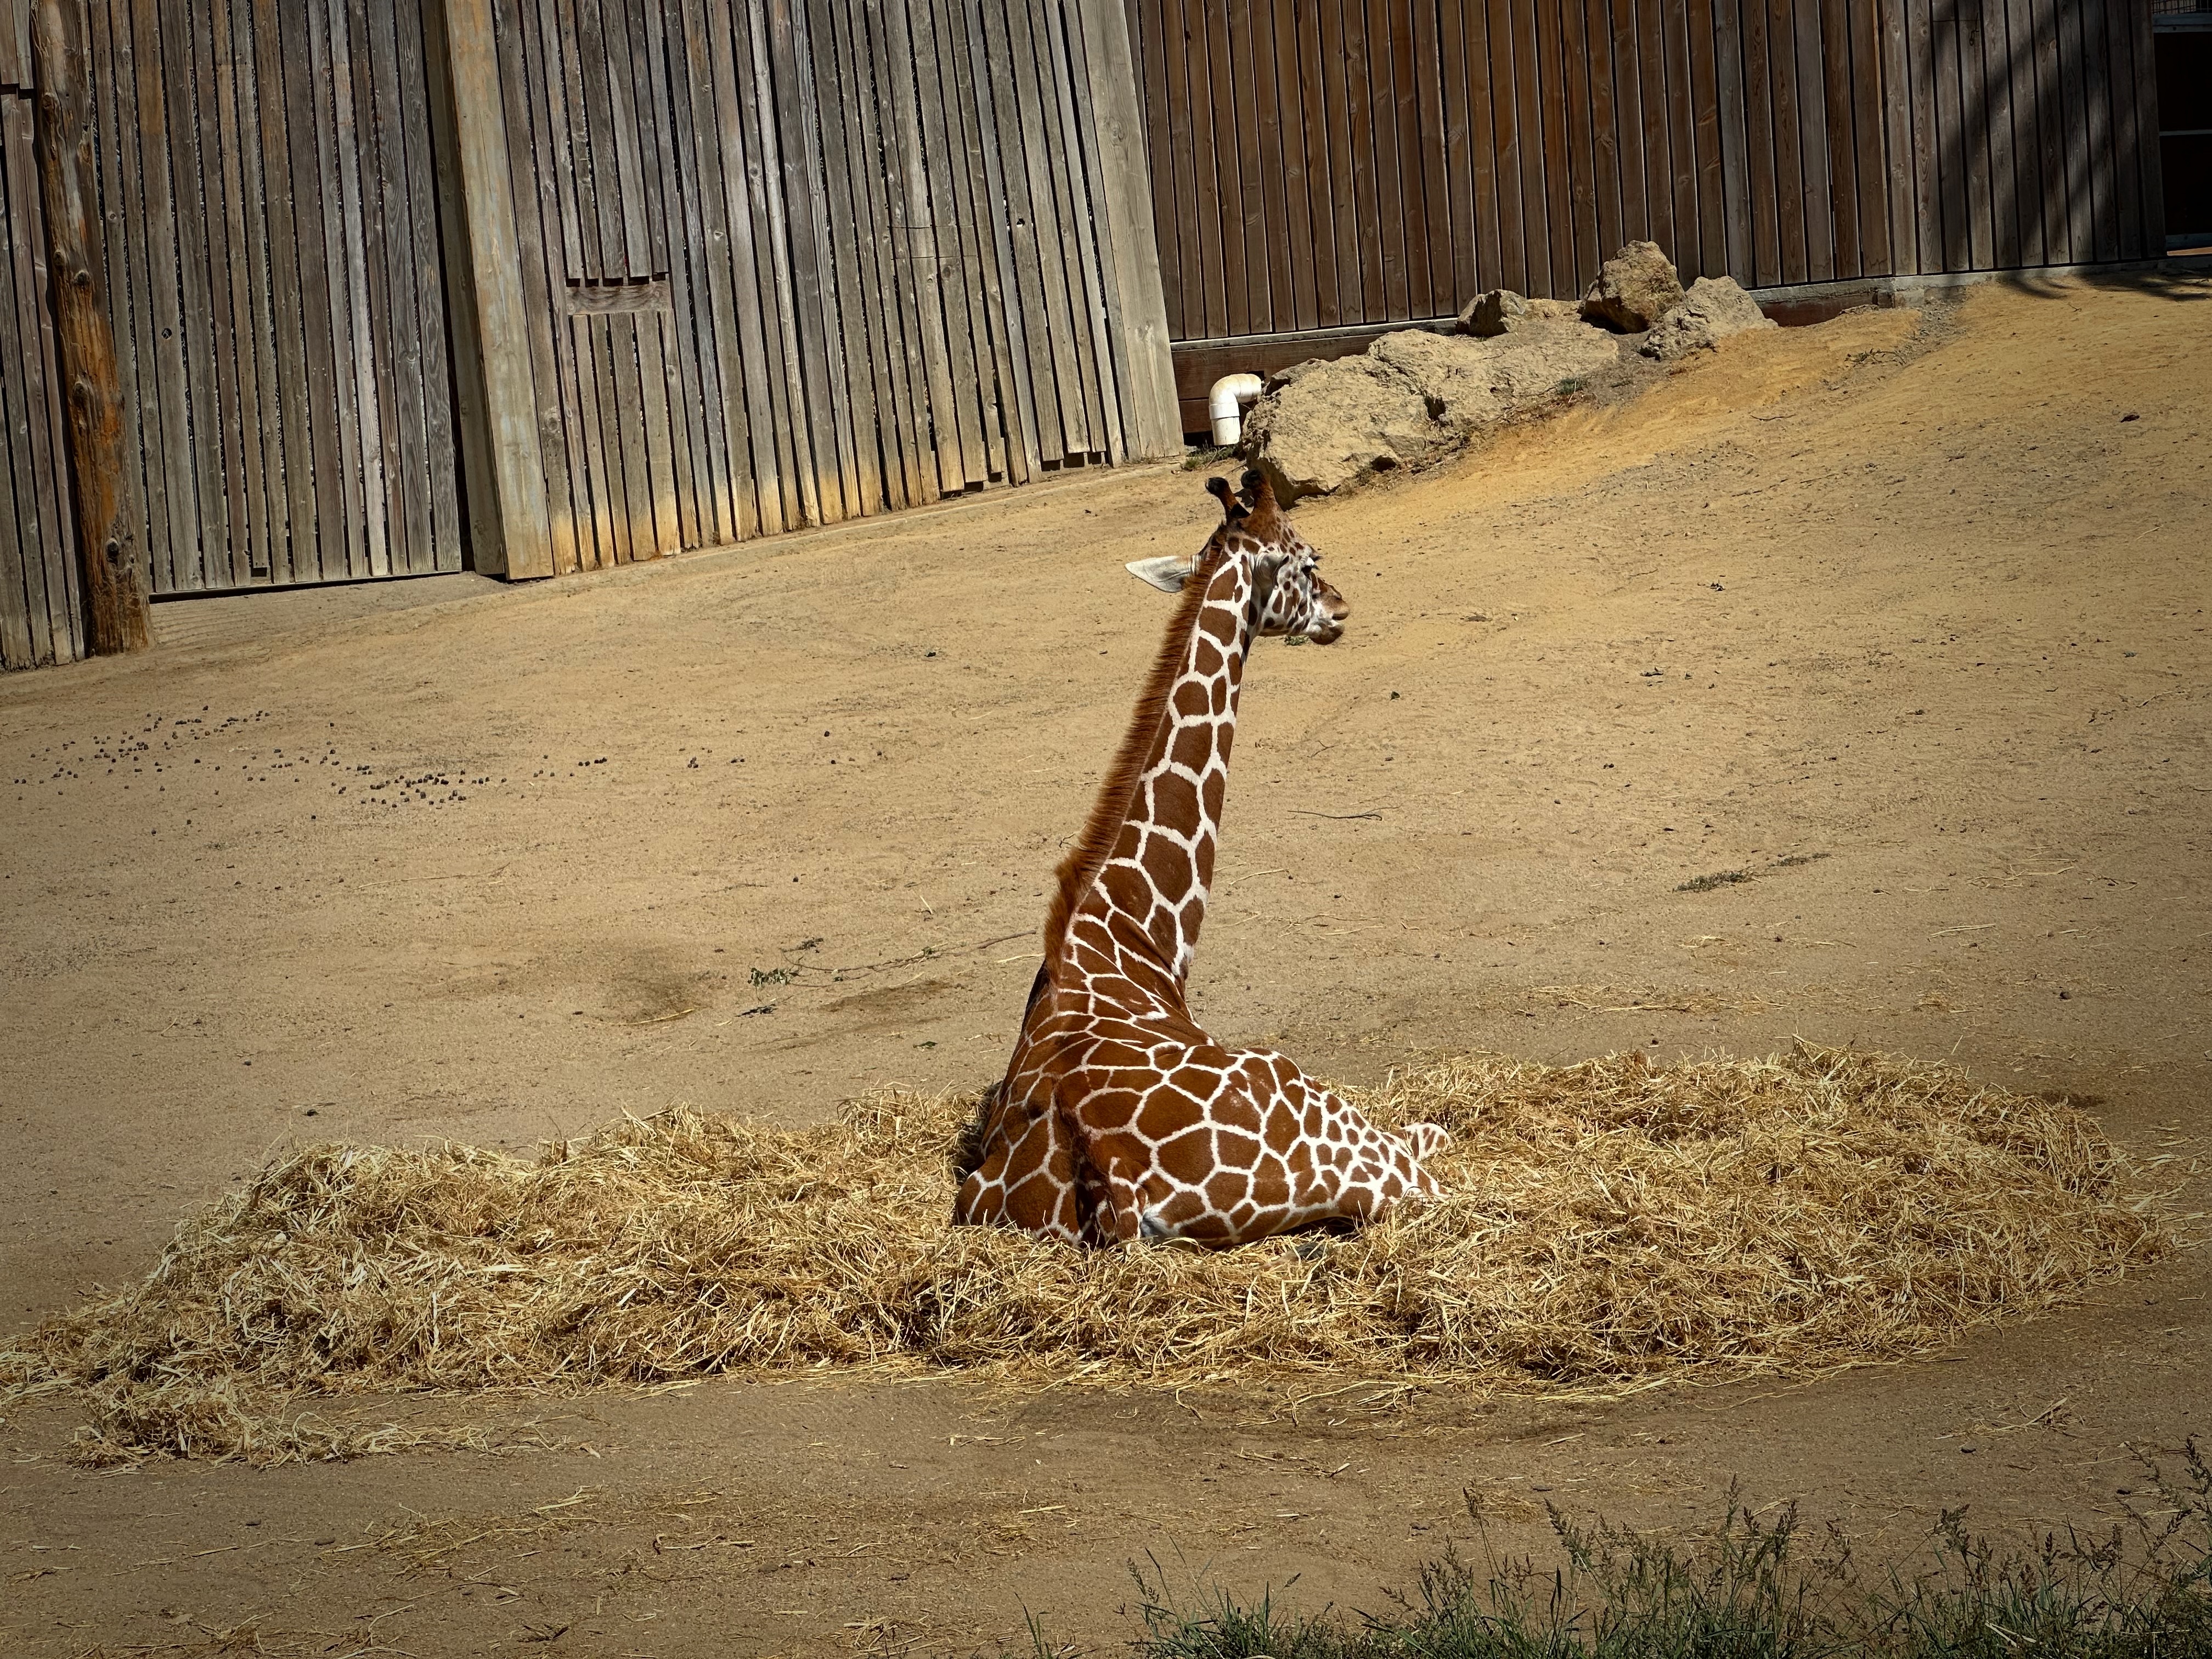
[
  {"x": 789, "y": 262},
  {"x": 274, "y": 280},
  {"x": 40, "y": 619}
]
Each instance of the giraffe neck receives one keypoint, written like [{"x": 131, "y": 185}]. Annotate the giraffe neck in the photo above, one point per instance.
[{"x": 1159, "y": 821}]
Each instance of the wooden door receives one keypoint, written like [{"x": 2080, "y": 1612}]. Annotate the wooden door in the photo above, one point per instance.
[{"x": 274, "y": 278}]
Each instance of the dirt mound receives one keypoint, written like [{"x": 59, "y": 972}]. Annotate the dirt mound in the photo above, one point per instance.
[{"x": 1604, "y": 1226}]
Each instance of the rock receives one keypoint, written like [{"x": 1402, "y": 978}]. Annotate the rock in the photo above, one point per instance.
[
  {"x": 1714, "y": 308},
  {"x": 1496, "y": 312},
  {"x": 1634, "y": 289},
  {"x": 1413, "y": 398},
  {"x": 1321, "y": 425}
]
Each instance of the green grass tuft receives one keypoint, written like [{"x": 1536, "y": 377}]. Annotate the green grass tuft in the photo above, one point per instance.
[{"x": 1756, "y": 1591}]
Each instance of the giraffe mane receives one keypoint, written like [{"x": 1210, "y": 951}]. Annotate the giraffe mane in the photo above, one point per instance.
[{"x": 1080, "y": 868}]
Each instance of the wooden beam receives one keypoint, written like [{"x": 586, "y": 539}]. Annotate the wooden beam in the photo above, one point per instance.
[
  {"x": 1154, "y": 426},
  {"x": 510, "y": 530},
  {"x": 115, "y": 617}
]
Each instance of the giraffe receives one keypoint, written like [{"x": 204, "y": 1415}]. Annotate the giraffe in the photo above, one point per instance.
[{"x": 1119, "y": 1118}]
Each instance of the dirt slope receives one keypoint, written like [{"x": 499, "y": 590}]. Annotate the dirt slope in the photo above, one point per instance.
[{"x": 1912, "y": 599}]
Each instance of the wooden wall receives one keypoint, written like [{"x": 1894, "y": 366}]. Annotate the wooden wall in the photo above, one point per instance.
[
  {"x": 791, "y": 262},
  {"x": 41, "y": 618},
  {"x": 274, "y": 281},
  {"x": 1325, "y": 163}
]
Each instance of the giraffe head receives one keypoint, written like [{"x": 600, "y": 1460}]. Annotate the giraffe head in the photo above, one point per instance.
[{"x": 1290, "y": 596}]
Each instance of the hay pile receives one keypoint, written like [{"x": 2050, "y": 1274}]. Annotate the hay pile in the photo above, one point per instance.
[{"x": 1605, "y": 1226}]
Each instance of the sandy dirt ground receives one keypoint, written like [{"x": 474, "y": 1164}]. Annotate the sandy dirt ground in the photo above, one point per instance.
[{"x": 1918, "y": 598}]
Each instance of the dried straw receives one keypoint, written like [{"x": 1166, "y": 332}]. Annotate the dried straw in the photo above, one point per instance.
[{"x": 1605, "y": 1226}]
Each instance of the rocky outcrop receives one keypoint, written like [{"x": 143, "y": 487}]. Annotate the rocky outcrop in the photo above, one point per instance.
[
  {"x": 1634, "y": 289},
  {"x": 1411, "y": 399},
  {"x": 1714, "y": 308}
]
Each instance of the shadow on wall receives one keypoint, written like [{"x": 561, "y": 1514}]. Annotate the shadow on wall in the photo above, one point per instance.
[{"x": 2035, "y": 134}]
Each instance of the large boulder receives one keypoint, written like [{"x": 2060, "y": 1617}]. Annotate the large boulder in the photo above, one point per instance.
[
  {"x": 1321, "y": 425},
  {"x": 1714, "y": 308},
  {"x": 1634, "y": 289},
  {"x": 1411, "y": 399}
]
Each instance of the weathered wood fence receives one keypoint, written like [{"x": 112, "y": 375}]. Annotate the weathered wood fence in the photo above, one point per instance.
[
  {"x": 791, "y": 262},
  {"x": 41, "y": 616},
  {"x": 274, "y": 281},
  {"x": 1321, "y": 164}
]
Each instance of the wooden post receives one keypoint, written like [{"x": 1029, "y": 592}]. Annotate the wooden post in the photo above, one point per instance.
[
  {"x": 116, "y": 618},
  {"x": 1155, "y": 423},
  {"x": 510, "y": 530}
]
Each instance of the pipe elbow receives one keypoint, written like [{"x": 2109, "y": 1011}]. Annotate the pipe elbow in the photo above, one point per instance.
[{"x": 1232, "y": 394}]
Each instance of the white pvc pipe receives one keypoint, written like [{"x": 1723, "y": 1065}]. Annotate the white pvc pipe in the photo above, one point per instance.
[{"x": 1231, "y": 396}]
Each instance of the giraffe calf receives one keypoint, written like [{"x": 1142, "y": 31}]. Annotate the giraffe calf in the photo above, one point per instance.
[{"x": 1119, "y": 1118}]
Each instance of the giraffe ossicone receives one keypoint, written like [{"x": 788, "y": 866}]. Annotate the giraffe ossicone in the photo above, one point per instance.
[{"x": 1119, "y": 1118}]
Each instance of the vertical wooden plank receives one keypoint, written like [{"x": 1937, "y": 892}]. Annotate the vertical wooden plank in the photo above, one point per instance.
[
  {"x": 1710, "y": 192},
  {"x": 1272, "y": 270},
  {"x": 962, "y": 170},
  {"x": 1765, "y": 189},
  {"x": 250, "y": 445},
  {"x": 2081, "y": 182},
  {"x": 771, "y": 236},
  {"x": 510, "y": 528},
  {"x": 1868, "y": 136},
  {"x": 405, "y": 418},
  {"x": 2123, "y": 88},
  {"x": 188, "y": 170},
  {"x": 1513, "y": 268},
  {"x": 19, "y": 532},
  {"x": 1087, "y": 320},
  {"x": 1658, "y": 157},
  {"x": 2045, "y": 218},
  {"x": 1529, "y": 132},
  {"x": 920, "y": 257},
  {"x": 541, "y": 150},
  {"x": 361, "y": 243},
  {"x": 427, "y": 291},
  {"x": 1812, "y": 90},
  {"x": 1252, "y": 59},
  {"x": 129, "y": 230},
  {"x": 1628, "y": 124},
  {"x": 1951, "y": 140},
  {"x": 1010, "y": 341},
  {"x": 729, "y": 53},
  {"x": 1582, "y": 252},
  {"x": 1927, "y": 142},
  {"x": 2097, "y": 99},
  {"x": 1605, "y": 127},
  {"x": 1458, "y": 158},
  {"x": 1974, "y": 136},
  {"x": 1558, "y": 111},
  {"x": 1784, "y": 73},
  {"x": 2026, "y": 135},
  {"x": 1223, "y": 209},
  {"x": 292, "y": 526},
  {"x": 835, "y": 99},
  {"x": 676, "y": 236},
  {"x": 1735, "y": 141},
  {"x": 1161, "y": 115},
  {"x": 1059, "y": 319},
  {"x": 1190, "y": 163},
  {"x": 2005, "y": 194},
  {"x": 1414, "y": 54},
  {"x": 320, "y": 555},
  {"x": 720, "y": 392},
  {"x": 1894, "y": 91},
  {"x": 38, "y": 480},
  {"x": 2150, "y": 162},
  {"x": 1839, "y": 142},
  {"x": 952, "y": 402},
  {"x": 1302, "y": 169},
  {"x": 1681, "y": 142},
  {"x": 1386, "y": 227},
  {"x": 1339, "y": 297}
]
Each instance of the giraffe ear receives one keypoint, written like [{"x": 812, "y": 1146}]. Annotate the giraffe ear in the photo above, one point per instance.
[{"x": 1168, "y": 574}]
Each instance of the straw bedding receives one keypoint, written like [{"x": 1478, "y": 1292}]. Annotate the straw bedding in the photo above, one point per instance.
[{"x": 1604, "y": 1226}]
